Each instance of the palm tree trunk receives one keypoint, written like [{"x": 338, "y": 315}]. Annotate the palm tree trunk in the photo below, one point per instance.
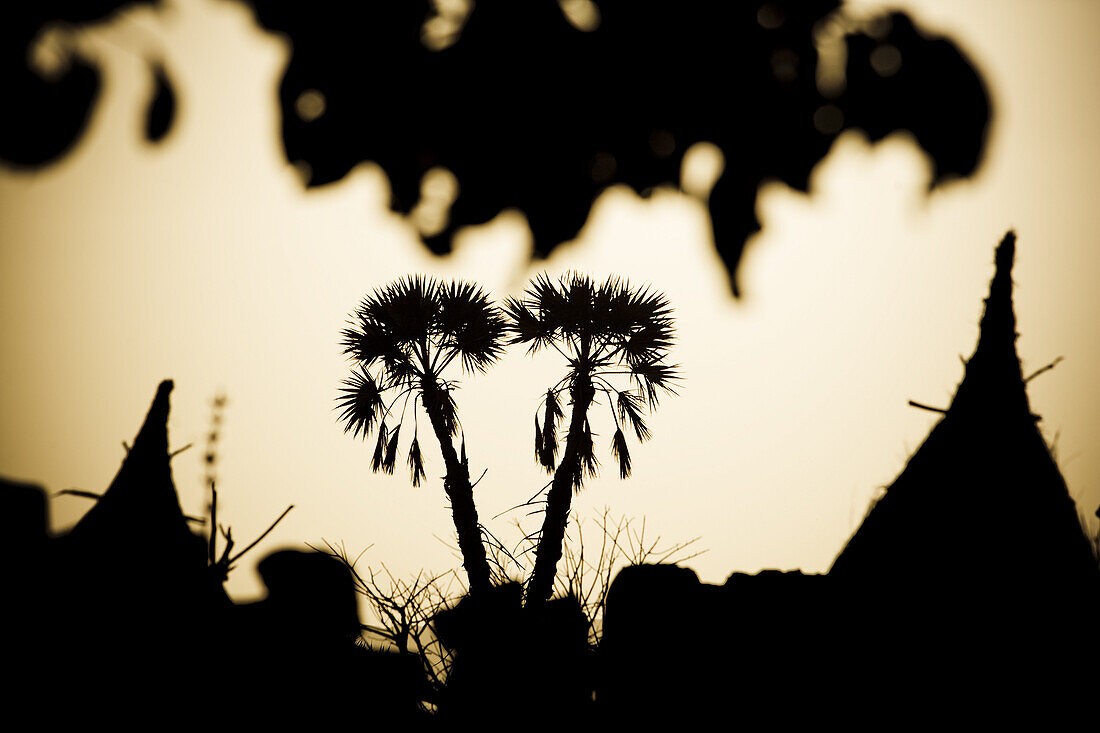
[
  {"x": 559, "y": 499},
  {"x": 461, "y": 493}
]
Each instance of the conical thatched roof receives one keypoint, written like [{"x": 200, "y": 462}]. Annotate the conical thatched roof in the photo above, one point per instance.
[
  {"x": 982, "y": 500},
  {"x": 138, "y": 519}
]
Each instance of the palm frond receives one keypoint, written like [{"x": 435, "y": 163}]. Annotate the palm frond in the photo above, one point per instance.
[
  {"x": 619, "y": 450},
  {"x": 610, "y": 302},
  {"x": 400, "y": 369},
  {"x": 577, "y": 312},
  {"x": 639, "y": 322},
  {"x": 416, "y": 462},
  {"x": 526, "y": 327},
  {"x": 366, "y": 340},
  {"x": 538, "y": 441},
  {"x": 649, "y": 342},
  {"x": 549, "y": 441},
  {"x": 405, "y": 309},
  {"x": 620, "y": 311},
  {"x": 392, "y": 320},
  {"x": 544, "y": 296},
  {"x": 468, "y": 324},
  {"x": 630, "y": 409},
  {"x": 379, "y": 449},
  {"x": 553, "y": 407},
  {"x": 651, "y": 376},
  {"x": 550, "y": 312},
  {"x": 390, "y": 461},
  {"x": 588, "y": 465},
  {"x": 361, "y": 402}
]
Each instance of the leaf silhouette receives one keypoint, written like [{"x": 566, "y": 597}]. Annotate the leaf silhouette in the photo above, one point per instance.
[{"x": 162, "y": 108}]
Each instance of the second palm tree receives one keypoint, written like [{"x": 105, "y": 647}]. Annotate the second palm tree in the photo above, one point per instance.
[{"x": 606, "y": 332}]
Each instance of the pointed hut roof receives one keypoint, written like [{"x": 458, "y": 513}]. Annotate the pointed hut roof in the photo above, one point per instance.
[
  {"x": 139, "y": 516},
  {"x": 982, "y": 497}
]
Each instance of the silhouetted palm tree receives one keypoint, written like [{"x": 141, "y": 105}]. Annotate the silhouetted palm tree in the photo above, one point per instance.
[
  {"x": 403, "y": 337},
  {"x": 609, "y": 332}
]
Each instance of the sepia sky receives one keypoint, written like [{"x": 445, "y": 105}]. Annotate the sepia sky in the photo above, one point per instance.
[{"x": 204, "y": 260}]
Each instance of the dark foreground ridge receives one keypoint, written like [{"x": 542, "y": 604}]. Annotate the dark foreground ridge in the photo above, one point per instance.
[{"x": 969, "y": 592}]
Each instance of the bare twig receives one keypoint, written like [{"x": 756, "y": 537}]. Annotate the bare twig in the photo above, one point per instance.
[
  {"x": 529, "y": 502},
  {"x": 81, "y": 493},
  {"x": 175, "y": 453},
  {"x": 256, "y": 541},
  {"x": 475, "y": 483},
  {"x": 921, "y": 406},
  {"x": 1046, "y": 368},
  {"x": 405, "y": 610}
]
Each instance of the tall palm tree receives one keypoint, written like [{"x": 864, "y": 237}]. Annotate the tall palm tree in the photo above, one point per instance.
[
  {"x": 403, "y": 337},
  {"x": 608, "y": 333}
]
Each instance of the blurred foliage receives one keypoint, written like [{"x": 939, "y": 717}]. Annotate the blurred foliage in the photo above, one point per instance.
[{"x": 540, "y": 106}]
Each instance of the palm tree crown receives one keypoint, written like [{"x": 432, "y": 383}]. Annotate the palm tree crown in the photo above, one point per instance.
[
  {"x": 604, "y": 331},
  {"x": 403, "y": 337}
]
